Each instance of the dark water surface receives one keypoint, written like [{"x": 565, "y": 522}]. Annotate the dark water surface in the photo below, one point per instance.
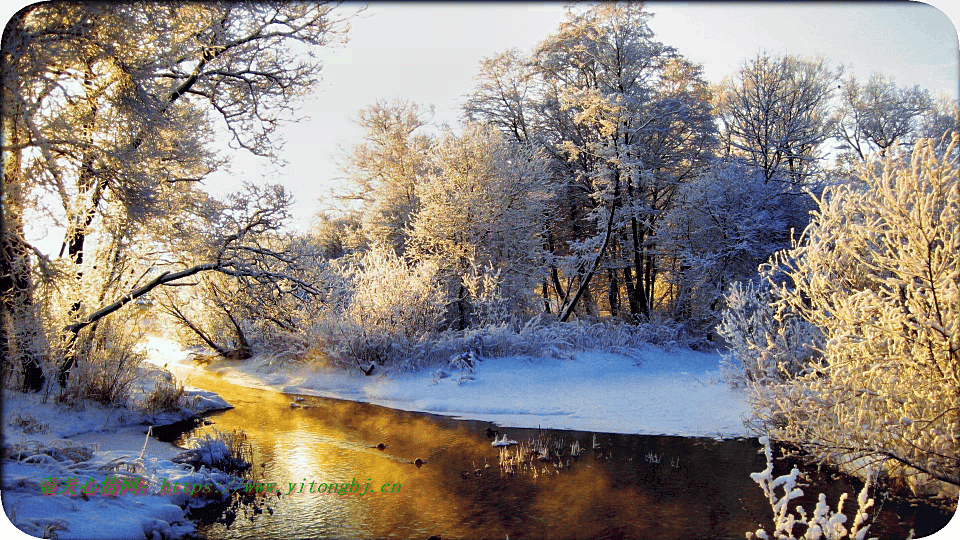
[{"x": 635, "y": 487}]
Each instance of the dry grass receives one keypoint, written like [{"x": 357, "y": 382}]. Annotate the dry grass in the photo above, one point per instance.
[
  {"x": 167, "y": 396},
  {"x": 29, "y": 424},
  {"x": 228, "y": 452}
]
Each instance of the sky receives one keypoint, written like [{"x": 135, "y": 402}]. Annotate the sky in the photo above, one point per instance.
[{"x": 429, "y": 53}]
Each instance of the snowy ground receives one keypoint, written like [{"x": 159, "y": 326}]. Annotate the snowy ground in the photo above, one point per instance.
[
  {"x": 670, "y": 393},
  {"x": 43, "y": 440},
  {"x": 676, "y": 393}
]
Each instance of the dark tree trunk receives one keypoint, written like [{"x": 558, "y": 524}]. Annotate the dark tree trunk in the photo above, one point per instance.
[
  {"x": 545, "y": 291},
  {"x": 16, "y": 284},
  {"x": 16, "y": 291},
  {"x": 639, "y": 300},
  {"x": 583, "y": 288},
  {"x": 554, "y": 273},
  {"x": 650, "y": 278},
  {"x": 614, "y": 293},
  {"x": 631, "y": 292}
]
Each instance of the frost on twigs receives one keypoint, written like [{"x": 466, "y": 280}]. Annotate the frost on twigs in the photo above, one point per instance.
[
  {"x": 824, "y": 523},
  {"x": 230, "y": 452},
  {"x": 878, "y": 274},
  {"x": 765, "y": 346}
]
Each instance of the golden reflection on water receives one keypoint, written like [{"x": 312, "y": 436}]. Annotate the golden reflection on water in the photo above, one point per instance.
[{"x": 700, "y": 488}]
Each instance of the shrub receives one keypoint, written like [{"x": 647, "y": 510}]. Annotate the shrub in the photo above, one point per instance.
[
  {"x": 763, "y": 346},
  {"x": 167, "y": 396},
  {"x": 107, "y": 362},
  {"x": 878, "y": 272},
  {"x": 824, "y": 523},
  {"x": 228, "y": 452},
  {"x": 390, "y": 308}
]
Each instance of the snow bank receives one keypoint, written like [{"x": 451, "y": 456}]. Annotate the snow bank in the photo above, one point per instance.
[
  {"x": 92, "y": 442},
  {"x": 658, "y": 392}
]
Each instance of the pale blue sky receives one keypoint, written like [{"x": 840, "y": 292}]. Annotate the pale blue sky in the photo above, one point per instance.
[{"x": 429, "y": 53}]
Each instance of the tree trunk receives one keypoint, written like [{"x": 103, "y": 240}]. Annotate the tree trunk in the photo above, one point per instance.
[
  {"x": 16, "y": 310},
  {"x": 614, "y": 292},
  {"x": 554, "y": 273},
  {"x": 567, "y": 310},
  {"x": 649, "y": 277},
  {"x": 639, "y": 301},
  {"x": 545, "y": 291},
  {"x": 16, "y": 284},
  {"x": 631, "y": 292}
]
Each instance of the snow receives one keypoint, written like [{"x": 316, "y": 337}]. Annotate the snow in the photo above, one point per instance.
[
  {"x": 658, "y": 392},
  {"x": 95, "y": 442},
  {"x": 677, "y": 392}
]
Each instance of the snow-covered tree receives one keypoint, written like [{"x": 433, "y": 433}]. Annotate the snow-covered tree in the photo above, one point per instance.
[
  {"x": 506, "y": 88},
  {"x": 481, "y": 220},
  {"x": 264, "y": 285},
  {"x": 878, "y": 115},
  {"x": 108, "y": 113},
  {"x": 385, "y": 169},
  {"x": 878, "y": 272},
  {"x": 723, "y": 225},
  {"x": 339, "y": 233},
  {"x": 775, "y": 111},
  {"x": 626, "y": 119},
  {"x": 382, "y": 308},
  {"x": 941, "y": 120}
]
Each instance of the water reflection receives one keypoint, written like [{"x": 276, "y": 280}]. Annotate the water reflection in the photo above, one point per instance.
[{"x": 636, "y": 487}]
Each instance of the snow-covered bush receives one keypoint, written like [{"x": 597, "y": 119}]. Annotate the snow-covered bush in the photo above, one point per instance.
[
  {"x": 167, "y": 395},
  {"x": 540, "y": 337},
  {"x": 725, "y": 223},
  {"x": 228, "y": 452},
  {"x": 763, "y": 345},
  {"x": 109, "y": 365},
  {"x": 878, "y": 272},
  {"x": 387, "y": 307},
  {"x": 824, "y": 523}
]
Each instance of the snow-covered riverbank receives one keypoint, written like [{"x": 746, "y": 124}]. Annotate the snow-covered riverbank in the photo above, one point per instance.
[
  {"x": 677, "y": 392},
  {"x": 63, "y": 449}
]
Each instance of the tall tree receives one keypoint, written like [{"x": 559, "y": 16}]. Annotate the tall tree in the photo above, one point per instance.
[
  {"x": 879, "y": 115},
  {"x": 385, "y": 169},
  {"x": 481, "y": 220},
  {"x": 506, "y": 86},
  {"x": 111, "y": 110},
  {"x": 775, "y": 111},
  {"x": 627, "y": 116}
]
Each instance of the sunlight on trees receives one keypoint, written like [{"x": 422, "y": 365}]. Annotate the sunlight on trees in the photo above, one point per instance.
[
  {"x": 385, "y": 169},
  {"x": 600, "y": 194},
  {"x": 381, "y": 308},
  {"x": 481, "y": 222},
  {"x": 878, "y": 273},
  {"x": 109, "y": 110}
]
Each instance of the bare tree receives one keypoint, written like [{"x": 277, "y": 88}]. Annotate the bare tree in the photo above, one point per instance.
[
  {"x": 775, "y": 112},
  {"x": 878, "y": 115},
  {"x": 506, "y": 87}
]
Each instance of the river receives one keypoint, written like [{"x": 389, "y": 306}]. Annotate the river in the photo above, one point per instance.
[{"x": 630, "y": 487}]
